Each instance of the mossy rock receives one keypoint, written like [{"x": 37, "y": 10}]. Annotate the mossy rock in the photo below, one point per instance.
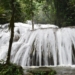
[{"x": 42, "y": 72}]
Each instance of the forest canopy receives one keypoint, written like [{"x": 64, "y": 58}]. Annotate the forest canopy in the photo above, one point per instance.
[{"x": 58, "y": 12}]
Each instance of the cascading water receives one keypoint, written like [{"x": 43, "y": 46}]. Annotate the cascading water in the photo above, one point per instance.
[{"x": 41, "y": 47}]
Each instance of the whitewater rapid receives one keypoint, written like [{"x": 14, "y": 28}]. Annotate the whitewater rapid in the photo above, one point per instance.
[{"x": 45, "y": 46}]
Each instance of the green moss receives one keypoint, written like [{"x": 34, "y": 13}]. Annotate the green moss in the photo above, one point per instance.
[
  {"x": 10, "y": 69},
  {"x": 40, "y": 72}
]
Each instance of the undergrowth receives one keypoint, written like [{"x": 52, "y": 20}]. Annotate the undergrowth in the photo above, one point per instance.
[{"x": 10, "y": 69}]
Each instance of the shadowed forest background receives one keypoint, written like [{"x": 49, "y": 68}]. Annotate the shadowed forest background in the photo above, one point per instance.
[{"x": 58, "y": 12}]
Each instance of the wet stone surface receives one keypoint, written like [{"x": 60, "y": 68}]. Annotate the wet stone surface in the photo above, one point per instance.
[{"x": 59, "y": 70}]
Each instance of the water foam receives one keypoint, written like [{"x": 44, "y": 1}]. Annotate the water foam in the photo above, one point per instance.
[{"x": 44, "y": 46}]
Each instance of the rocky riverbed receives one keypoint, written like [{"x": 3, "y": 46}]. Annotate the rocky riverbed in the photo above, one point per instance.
[{"x": 59, "y": 70}]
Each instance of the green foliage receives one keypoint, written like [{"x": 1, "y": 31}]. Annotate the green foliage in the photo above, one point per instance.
[
  {"x": 29, "y": 8},
  {"x": 59, "y": 12},
  {"x": 1, "y": 10},
  {"x": 46, "y": 12},
  {"x": 39, "y": 72},
  {"x": 49, "y": 11},
  {"x": 19, "y": 14},
  {"x": 5, "y": 11},
  {"x": 32, "y": 8},
  {"x": 65, "y": 12},
  {"x": 40, "y": 16},
  {"x": 10, "y": 69}
]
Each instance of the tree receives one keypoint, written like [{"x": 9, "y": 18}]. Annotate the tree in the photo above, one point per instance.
[
  {"x": 29, "y": 10},
  {"x": 49, "y": 10},
  {"x": 59, "y": 12},
  {"x": 12, "y": 33},
  {"x": 45, "y": 13},
  {"x": 65, "y": 12},
  {"x": 5, "y": 17}
]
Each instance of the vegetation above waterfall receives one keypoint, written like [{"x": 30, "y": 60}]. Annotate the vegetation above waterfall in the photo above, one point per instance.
[{"x": 59, "y": 12}]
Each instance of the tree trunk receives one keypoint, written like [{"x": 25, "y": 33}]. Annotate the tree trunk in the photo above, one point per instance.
[
  {"x": 32, "y": 14},
  {"x": 12, "y": 33},
  {"x": 32, "y": 23}
]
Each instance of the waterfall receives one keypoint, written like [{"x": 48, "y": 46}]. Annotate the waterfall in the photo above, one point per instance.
[{"x": 45, "y": 46}]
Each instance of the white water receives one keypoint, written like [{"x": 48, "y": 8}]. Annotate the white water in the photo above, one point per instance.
[{"x": 45, "y": 46}]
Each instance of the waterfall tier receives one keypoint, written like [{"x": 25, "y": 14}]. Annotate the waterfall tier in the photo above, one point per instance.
[{"x": 41, "y": 47}]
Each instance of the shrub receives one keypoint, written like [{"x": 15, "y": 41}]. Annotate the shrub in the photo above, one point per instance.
[{"x": 10, "y": 69}]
